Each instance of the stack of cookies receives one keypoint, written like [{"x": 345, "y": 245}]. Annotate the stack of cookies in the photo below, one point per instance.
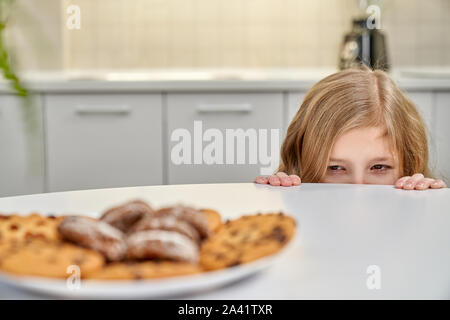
[{"x": 135, "y": 241}]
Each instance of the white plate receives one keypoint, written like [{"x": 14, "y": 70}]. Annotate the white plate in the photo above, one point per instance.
[{"x": 139, "y": 289}]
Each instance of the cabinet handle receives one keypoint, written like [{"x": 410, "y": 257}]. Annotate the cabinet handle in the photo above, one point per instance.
[
  {"x": 92, "y": 109},
  {"x": 218, "y": 108}
]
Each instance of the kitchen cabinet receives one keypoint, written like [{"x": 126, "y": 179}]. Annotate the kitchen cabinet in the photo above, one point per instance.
[
  {"x": 294, "y": 101},
  {"x": 21, "y": 146},
  {"x": 424, "y": 102},
  {"x": 200, "y": 120},
  {"x": 103, "y": 140},
  {"x": 442, "y": 135}
]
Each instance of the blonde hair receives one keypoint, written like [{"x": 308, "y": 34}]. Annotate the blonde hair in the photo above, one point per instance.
[{"x": 353, "y": 98}]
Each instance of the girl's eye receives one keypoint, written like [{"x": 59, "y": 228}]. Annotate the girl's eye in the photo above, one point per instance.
[
  {"x": 380, "y": 167},
  {"x": 335, "y": 168}
]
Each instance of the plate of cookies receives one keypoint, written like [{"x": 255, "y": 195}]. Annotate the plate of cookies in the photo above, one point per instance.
[{"x": 133, "y": 250}]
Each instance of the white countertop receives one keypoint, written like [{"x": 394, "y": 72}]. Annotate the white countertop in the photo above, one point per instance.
[
  {"x": 343, "y": 229},
  {"x": 227, "y": 79}
]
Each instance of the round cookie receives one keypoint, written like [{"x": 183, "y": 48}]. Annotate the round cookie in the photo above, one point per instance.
[
  {"x": 195, "y": 217},
  {"x": 7, "y": 248},
  {"x": 94, "y": 234},
  {"x": 167, "y": 223},
  {"x": 144, "y": 270},
  {"x": 19, "y": 228},
  {"x": 246, "y": 239},
  {"x": 161, "y": 244},
  {"x": 48, "y": 259},
  {"x": 126, "y": 215},
  {"x": 214, "y": 219}
]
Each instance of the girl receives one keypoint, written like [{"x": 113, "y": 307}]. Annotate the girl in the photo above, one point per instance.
[{"x": 356, "y": 126}]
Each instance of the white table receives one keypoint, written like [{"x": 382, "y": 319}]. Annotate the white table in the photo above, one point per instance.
[{"x": 343, "y": 229}]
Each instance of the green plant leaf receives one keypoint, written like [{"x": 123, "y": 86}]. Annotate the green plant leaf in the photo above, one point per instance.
[{"x": 5, "y": 65}]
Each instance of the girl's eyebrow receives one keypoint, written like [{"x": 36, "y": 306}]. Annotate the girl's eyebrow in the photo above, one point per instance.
[
  {"x": 374, "y": 159},
  {"x": 337, "y": 160},
  {"x": 382, "y": 159}
]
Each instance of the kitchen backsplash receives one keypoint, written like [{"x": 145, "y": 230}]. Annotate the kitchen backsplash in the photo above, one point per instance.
[{"x": 126, "y": 34}]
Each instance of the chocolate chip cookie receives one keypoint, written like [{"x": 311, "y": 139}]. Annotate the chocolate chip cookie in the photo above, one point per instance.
[
  {"x": 45, "y": 258},
  {"x": 144, "y": 270},
  {"x": 214, "y": 219},
  {"x": 19, "y": 228},
  {"x": 246, "y": 239}
]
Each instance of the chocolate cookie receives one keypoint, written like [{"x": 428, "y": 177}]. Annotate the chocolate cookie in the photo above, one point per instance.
[
  {"x": 94, "y": 234},
  {"x": 19, "y": 228},
  {"x": 246, "y": 239},
  {"x": 168, "y": 223},
  {"x": 161, "y": 244},
  {"x": 144, "y": 270},
  {"x": 195, "y": 217},
  {"x": 124, "y": 216},
  {"x": 48, "y": 259}
]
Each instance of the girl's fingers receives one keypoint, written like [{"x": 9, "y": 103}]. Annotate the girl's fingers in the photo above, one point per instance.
[
  {"x": 438, "y": 184},
  {"x": 400, "y": 182},
  {"x": 286, "y": 181},
  {"x": 274, "y": 180},
  {"x": 279, "y": 179},
  {"x": 419, "y": 182},
  {"x": 410, "y": 184},
  {"x": 295, "y": 180},
  {"x": 281, "y": 175},
  {"x": 261, "y": 180},
  {"x": 424, "y": 183}
]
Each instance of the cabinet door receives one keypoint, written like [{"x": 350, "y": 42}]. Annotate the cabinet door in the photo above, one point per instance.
[
  {"x": 219, "y": 114},
  {"x": 98, "y": 141},
  {"x": 424, "y": 101},
  {"x": 442, "y": 135},
  {"x": 21, "y": 146},
  {"x": 294, "y": 101}
]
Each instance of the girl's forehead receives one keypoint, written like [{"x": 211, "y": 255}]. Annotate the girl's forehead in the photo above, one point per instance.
[
  {"x": 365, "y": 133},
  {"x": 363, "y": 136},
  {"x": 362, "y": 142}
]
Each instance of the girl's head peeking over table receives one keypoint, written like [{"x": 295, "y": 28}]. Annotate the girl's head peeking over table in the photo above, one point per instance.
[{"x": 356, "y": 126}]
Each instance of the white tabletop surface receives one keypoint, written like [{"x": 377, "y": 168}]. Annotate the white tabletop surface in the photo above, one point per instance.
[{"x": 343, "y": 229}]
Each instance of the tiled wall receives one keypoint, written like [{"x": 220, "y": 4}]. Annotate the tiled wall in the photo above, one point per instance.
[
  {"x": 206, "y": 33},
  {"x": 419, "y": 32},
  {"x": 34, "y": 34},
  {"x": 243, "y": 33}
]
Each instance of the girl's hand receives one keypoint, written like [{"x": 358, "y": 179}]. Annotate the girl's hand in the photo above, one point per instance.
[
  {"x": 419, "y": 182},
  {"x": 280, "y": 179}
]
